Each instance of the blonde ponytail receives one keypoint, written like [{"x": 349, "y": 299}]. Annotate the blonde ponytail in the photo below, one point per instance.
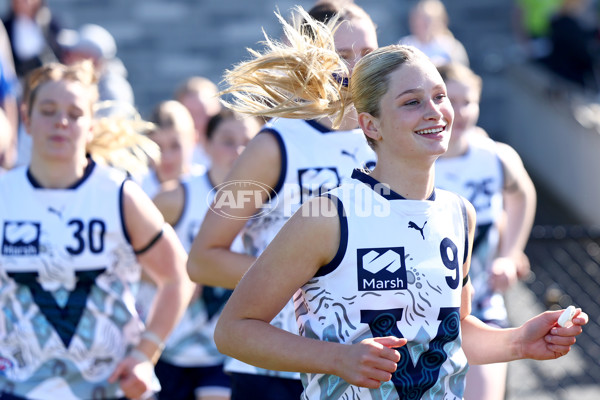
[{"x": 300, "y": 77}]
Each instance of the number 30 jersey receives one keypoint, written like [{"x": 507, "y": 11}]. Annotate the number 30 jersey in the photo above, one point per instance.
[
  {"x": 398, "y": 272},
  {"x": 66, "y": 269}
]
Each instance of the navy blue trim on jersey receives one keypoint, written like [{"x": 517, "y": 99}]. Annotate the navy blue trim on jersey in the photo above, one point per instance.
[
  {"x": 86, "y": 173},
  {"x": 463, "y": 209},
  {"x": 377, "y": 186},
  {"x": 283, "y": 153},
  {"x": 339, "y": 256},
  {"x": 122, "y": 210},
  {"x": 186, "y": 201},
  {"x": 320, "y": 127}
]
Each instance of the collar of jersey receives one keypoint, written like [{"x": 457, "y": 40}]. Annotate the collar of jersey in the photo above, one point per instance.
[
  {"x": 87, "y": 172},
  {"x": 374, "y": 184},
  {"x": 320, "y": 127}
]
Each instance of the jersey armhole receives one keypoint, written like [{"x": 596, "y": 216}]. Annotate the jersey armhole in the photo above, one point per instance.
[
  {"x": 186, "y": 201},
  {"x": 463, "y": 209},
  {"x": 283, "y": 154},
  {"x": 341, "y": 252},
  {"x": 122, "y": 209}
]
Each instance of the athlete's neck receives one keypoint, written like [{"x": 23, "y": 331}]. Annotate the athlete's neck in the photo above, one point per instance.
[
  {"x": 57, "y": 174},
  {"x": 409, "y": 182}
]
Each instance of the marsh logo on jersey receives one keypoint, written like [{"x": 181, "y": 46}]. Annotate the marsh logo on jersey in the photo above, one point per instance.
[
  {"x": 315, "y": 181},
  {"x": 21, "y": 238},
  {"x": 381, "y": 269}
]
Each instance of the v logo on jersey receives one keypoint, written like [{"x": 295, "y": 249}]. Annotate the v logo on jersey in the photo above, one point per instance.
[
  {"x": 416, "y": 227},
  {"x": 381, "y": 269},
  {"x": 65, "y": 319}
]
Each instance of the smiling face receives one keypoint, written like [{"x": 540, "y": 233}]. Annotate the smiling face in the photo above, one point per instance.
[
  {"x": 415, "y": 115},
  {"x": 60, "y": 120}
]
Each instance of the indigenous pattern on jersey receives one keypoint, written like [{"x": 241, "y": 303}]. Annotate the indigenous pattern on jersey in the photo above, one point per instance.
[
  {"x": 314, "y": 159},
  {"x": 397, "y": 272},
  {"x": 66, "y": 273},
  {"x": 478, "y": 176},
  {"x": 191, "y": 343}
]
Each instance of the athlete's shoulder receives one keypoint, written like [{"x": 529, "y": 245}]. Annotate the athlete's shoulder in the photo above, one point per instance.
[
  {"x": 480, "y": 141},
  {"x": 108, "y": 175},
  {"x": 14, "y": 174},
  {"x": 449, "y": 197},
  {"x": 278, "y": 124}
]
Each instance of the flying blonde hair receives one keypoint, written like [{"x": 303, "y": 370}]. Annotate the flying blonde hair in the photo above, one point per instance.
[
  {"x": 118, "y": 138},
  {"x": 300, "y": 77}
]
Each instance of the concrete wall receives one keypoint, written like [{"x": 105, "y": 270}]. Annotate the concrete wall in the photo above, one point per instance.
[{"x": 560, "y": 151}]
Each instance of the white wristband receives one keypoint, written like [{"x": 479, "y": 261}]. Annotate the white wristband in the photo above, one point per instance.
[
  {"x": 139, "y": 355},
  {"x": 153, "y": 337}
]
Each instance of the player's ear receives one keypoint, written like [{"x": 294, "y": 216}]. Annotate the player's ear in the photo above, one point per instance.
[{"x": 370, "y": 125}]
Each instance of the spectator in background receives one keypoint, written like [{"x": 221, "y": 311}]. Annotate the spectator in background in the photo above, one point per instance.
[
  {"x": 93, "y": 42},
  {"x": 5, "y": 139},
  {"x": 575, "y": 53},
  {"x": 9, "y": 106},
  {"x": 531, "y": 24},
  {"x": 429, "y": 32},
  {"x": 175, "y": 134},
  {"x": 199, "y": 95},
  {"x": 9, "y": 89},
  {"x": 6, "y": 54},
  {"x": 33, "y": 31}
]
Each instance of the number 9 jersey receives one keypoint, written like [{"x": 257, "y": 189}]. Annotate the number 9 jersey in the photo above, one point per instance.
[
  {"x": 66, "y": 272},
  {"x": 398, "y": 272}
]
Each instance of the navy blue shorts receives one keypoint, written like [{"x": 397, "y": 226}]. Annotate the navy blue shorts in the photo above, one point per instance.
[
  {"x": 262, "y": 387},
  {"x": 185, "y": 382}
]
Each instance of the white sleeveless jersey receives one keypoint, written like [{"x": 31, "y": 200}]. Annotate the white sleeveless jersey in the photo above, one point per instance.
[
  {"x": 397, "y": 272},
  {"x": 66, "y": 272},
  {"x": 191, "y": 343},
  {"x": 478, "y": 176},
  {"x": 314, "y": 160}
]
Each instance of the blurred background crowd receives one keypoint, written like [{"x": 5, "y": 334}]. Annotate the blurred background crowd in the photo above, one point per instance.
[{"x": 540, "y": 65}]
